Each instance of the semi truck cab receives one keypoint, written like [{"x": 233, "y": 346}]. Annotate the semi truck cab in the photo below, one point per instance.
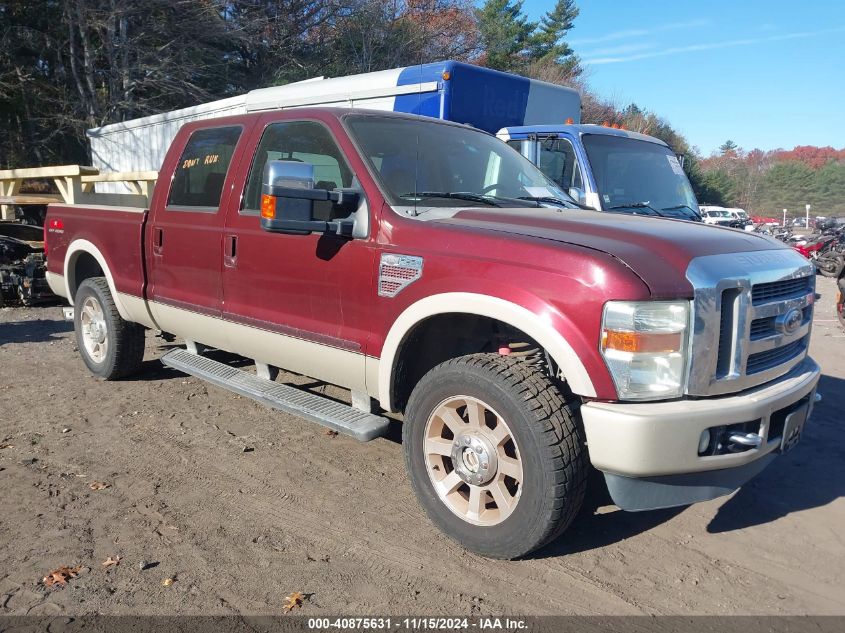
[{"x": 609, "y": 169}]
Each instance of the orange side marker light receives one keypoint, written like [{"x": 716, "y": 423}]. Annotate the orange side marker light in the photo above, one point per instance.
[{"x": 268, "y": 207}]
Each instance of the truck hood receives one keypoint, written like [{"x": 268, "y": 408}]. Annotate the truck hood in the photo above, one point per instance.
[{"x": 658, "y": 250}]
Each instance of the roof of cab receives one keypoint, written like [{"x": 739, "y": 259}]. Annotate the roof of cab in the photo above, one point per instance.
[
  {"x": 523, "y": 131},
  {"x": 335, "y": 112}
]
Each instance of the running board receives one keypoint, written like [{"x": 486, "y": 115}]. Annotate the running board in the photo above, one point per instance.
[{"x": 335, "y": 415}]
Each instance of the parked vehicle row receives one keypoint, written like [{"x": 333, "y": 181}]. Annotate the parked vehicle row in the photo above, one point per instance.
[
  {"x": 825, "y": 247},
  {"x": 731, "y": 217}
]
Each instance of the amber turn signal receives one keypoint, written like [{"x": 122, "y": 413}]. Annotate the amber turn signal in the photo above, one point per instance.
[
  {"x": 268, "y": 207},
  {"x": 648, "y": 342}
]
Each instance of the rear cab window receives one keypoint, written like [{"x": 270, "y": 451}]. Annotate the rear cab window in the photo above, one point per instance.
[{"x": 199, "y": 176}]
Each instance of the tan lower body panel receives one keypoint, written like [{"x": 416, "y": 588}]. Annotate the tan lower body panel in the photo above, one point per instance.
[
  {"x": 133, "y": 308},
  {"x": 137, "y": 310},
  {"x": 57, "y": 284},
  {"x": 661, "y": 438},
  {"x": 328, "y": 364}
]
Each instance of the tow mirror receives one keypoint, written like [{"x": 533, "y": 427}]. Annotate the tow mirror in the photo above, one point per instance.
[
  {"x": 578, "y": 194},
  {"x": 288, "y": 196}
]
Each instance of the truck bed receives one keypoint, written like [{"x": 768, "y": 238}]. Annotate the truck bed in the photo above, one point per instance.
[{"x": 118, "y": 233}]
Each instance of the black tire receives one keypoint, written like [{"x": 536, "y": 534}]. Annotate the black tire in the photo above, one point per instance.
[
  {"x": 830, "y": 266},
  {"x": 545, "y": 426},
  {"x": 125, "y": 349}
]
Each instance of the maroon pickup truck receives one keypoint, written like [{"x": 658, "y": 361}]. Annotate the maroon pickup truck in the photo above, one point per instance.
[{"x": 435, "y": 273}]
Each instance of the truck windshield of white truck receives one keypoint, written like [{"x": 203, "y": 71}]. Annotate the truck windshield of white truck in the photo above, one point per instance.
[
  {"x": 422, "y": 165},
  {"x": 634, "y": 176}
]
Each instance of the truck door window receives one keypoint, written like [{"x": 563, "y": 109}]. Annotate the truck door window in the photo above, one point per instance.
[
  {"x": 301, "y": 141},
  {"x": 198, "y": 181},
  {"x": 558, "y": 162}
]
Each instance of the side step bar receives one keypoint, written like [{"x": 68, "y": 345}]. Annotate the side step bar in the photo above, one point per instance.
[{"x": 335, "y": 415}]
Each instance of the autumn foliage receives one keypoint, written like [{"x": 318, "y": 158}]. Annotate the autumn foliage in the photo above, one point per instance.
[
  {"x": 813, "y": 157},
  {"x": 765, "y": 183}
]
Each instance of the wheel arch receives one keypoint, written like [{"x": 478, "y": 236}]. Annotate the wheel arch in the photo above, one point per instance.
[
  {"x": 77, "y": 268},
  {"x": 460, "y": 303}
]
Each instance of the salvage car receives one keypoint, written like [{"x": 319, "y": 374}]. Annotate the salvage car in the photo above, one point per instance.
[{"x": 414, "y": 263}]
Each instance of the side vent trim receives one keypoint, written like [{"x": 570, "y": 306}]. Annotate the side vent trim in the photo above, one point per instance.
[{"x": 397, "y": 272}]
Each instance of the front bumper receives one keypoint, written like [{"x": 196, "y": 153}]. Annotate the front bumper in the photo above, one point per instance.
[{"x": 649, "y": 451}]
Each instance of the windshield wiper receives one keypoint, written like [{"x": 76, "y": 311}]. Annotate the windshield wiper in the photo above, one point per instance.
[
  {"x": 695, "y": 213},
  {"x": 456, "y": 195},
  {"x": 553, "y": 200},
  {"x": 636, "y": 205}
]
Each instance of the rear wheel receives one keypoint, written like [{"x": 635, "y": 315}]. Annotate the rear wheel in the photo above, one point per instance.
[
  {"x": 110, "y": 347},
  {"x": 495, "y": 454}
]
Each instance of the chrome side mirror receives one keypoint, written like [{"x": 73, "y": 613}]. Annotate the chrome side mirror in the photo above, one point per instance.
[{"x": 288, "y": 196}]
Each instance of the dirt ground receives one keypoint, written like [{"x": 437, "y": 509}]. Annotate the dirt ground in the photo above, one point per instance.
[{"x": 242, "y": 505}]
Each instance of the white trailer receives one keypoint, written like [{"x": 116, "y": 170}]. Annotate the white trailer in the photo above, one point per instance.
[{"x": 484, "y": 98}]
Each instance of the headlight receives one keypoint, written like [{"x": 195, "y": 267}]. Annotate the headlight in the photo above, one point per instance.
[{"x": 644, "y": 344}]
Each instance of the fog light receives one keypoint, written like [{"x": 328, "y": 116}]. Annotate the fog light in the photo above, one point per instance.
[{"x": 704, "y": 441}]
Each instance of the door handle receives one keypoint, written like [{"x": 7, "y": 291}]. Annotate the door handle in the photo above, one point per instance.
[
  {"x": 230, "y": 251},
  {"x": 158, "y": 241}
]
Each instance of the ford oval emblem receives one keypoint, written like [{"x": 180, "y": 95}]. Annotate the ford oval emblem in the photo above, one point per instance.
[{"x": 790, "y": 322}]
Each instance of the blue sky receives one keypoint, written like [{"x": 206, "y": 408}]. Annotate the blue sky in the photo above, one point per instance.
[{"x": 764, "y": 74}]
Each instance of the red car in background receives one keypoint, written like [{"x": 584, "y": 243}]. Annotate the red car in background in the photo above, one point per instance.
[{"x": 758, "y": 220}]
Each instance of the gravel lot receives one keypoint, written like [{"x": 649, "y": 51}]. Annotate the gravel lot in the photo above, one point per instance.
[{"x": 241, "y": 506}]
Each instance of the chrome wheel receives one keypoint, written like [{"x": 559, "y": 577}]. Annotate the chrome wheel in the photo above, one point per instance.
[
  {"x": 94, "y": 330},
  {"x": 473, "y": 460}
]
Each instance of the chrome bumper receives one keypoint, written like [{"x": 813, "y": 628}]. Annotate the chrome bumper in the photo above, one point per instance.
[{"x": 642, "y": 448}]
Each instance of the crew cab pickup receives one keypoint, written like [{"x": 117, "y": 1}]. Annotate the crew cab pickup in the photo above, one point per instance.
[{"x": 415, "y": 263}]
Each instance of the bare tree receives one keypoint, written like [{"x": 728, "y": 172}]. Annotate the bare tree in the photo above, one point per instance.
[{"x": 380, "y": 34}]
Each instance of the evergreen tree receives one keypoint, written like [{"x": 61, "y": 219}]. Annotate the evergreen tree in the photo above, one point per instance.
[
  {"x": 505, "y": 34},
  {"x": 728, "y": 148},
  {"x": 548, "y": 42}
]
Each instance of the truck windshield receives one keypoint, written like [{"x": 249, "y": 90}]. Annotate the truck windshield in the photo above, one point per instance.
[
  {"x": 435, "y": 165},
  {"x": 631, "y": 171}
]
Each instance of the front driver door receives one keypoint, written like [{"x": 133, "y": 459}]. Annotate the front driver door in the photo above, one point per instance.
[{"x": 301, "y": 300}]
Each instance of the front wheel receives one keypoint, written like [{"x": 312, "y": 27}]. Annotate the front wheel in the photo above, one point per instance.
[
  {"x": 110, "y": 347},
  {"x": 830, "y": 266},
  {"x": 495, "y": 454}
]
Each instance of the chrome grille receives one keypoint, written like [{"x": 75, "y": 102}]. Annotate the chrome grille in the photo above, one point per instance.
[
  {"x": 761, "y": 328},
  {"x": 779, "y": 290},
  {"x": 762, "y": 361},
  {"x": 747, "y": 328},
  {"x": 767, "y": 326}
]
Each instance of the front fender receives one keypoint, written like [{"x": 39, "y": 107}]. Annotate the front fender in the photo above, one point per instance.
[{"x": 541, "y": 326}]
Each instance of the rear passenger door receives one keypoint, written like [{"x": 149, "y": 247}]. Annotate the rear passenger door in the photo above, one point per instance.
[{"x": 186, "y": 233}]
